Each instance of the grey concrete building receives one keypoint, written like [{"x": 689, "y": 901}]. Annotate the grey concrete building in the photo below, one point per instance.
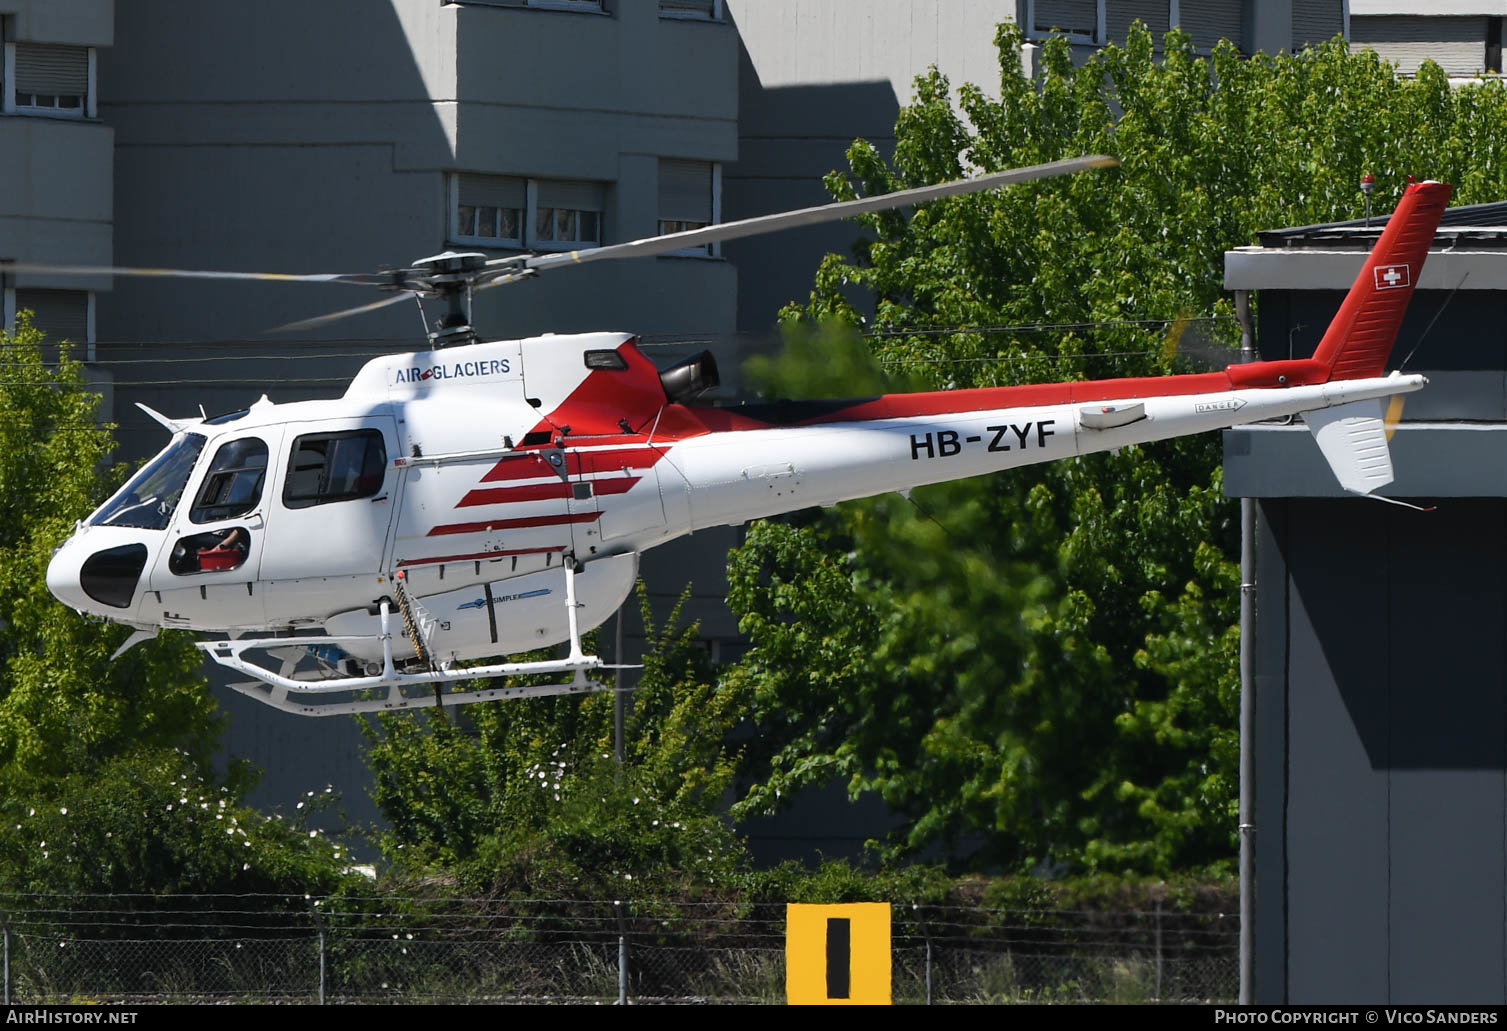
[
  {"x": 1464, "y": 37},
  {"x": 377, "y": 134},
  {"x": 1380, "y": 734},
  {"x": 816, "y": 74},
  {"x": 347, "y": 135},
  {"x": 56, "y": 159}
]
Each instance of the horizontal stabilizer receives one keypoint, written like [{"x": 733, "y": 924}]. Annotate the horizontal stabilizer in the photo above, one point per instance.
[{"x": 1353, "y": 438}]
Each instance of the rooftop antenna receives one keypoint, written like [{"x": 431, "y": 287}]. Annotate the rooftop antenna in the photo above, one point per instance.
[{"x": 1368, "y": 187}]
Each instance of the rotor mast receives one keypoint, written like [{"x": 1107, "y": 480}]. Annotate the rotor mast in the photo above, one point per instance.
[{"x": 450, "y": 277}]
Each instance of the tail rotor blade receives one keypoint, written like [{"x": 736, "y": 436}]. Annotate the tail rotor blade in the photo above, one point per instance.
[{"x": 1394, "y": 414}]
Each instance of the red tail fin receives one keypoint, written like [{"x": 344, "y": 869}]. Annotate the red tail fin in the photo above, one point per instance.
[{"x": 1360, "y": 338}]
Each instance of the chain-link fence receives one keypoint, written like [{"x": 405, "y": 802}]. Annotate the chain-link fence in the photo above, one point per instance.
[{"x": 276, "y": 949}]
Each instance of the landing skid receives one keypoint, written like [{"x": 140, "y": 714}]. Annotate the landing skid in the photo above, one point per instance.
[
  {"x": 306, "y": 699},
  {"x": 384, "y": 692}
]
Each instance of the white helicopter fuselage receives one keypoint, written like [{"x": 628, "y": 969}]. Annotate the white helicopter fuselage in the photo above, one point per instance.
[{"x": 477, "y": 472}]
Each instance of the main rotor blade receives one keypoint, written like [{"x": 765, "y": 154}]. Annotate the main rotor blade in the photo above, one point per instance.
[
  {"x": 35, "y": 268},
  {"x": 335, "y": 316},
  {"x": 813, "y": 216}
]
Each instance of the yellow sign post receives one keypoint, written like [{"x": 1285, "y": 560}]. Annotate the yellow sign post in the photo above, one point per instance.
[{"x": 837, "y": 955}]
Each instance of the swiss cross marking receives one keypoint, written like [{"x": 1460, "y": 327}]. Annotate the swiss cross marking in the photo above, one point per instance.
[{"x": 1392, "y": 277}]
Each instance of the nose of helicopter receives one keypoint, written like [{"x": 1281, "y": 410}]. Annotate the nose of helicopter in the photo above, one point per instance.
[
  {"x": 63, "y": 578},
  {"x": 96, "y": 580}
]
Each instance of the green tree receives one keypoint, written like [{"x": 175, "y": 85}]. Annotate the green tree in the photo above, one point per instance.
[
  {"x": 107, "y": 780},
  {"x": 1039, "y": 666},
  {"x": 525, "y": 798},
  {"x": 63, "y": 704}
]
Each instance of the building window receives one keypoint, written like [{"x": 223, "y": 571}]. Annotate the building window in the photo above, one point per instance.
[
  {"x": 1119, "y": 15},
  {"x": 489, "y": 209},
  {"x": 1077, "y": 19},
  {"x": 233, "y": 485},
  {"x": 538, "y": 214},
  {"x": 1211, "y": 21},
  {"x": 328, "y": 467},
  {"x": 696, "y": 10},
  {"x": 687, "y": 197},
  {"x": 564, "y": 214},
  {"x": 51, "y": 80},
  {"x": 63, "y": 315},
  {"x": 566, "y": 5}
]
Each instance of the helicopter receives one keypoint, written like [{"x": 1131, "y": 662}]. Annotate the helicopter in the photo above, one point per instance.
[{"x": 476, "y": 499}]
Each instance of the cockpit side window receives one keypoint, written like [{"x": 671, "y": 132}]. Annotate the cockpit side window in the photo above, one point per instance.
[
  {"x": 328, "y": 467},
  {"x": 148, "y": 500},
  {"x": 233, "y": 485}
]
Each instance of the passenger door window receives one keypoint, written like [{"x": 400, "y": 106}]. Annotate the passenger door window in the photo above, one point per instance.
[
  {"x": 327, "y": 467},
  {"x": 233, "y": 485}
]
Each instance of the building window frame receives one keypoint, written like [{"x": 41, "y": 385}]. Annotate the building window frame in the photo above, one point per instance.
[
  {"x": 711, "y": 250},
  {"x": 9, "y": 309},
  {"x": 7, "y": 72},
  {"x": 1096, "y": 38},
  {"x": 11, "y": 102},
  {"x": 716, "y": 14},
  {"x": 560, "y": 224},
  {"x": 496, "y": 241},
  {"x": 528, "y": 237},
  {"x": 580, "y": 6}
]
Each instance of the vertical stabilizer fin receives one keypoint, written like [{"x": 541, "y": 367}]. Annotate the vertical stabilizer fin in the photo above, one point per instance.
[
  {"x": 1360, "y": 338},
  {"x": 1353, "y": 438}
]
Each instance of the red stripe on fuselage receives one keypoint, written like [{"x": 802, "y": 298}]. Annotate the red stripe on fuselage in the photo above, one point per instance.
[
  {"x": 582, "y": 460},
  {"x": 514, "y": 524},
  {"x": 479, "y": 556},
  {"x": 556, "y": 491}
]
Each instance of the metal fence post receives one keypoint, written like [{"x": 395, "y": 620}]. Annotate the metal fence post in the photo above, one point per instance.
[
  {"x": 925, "y": 934},
  {"x": 1158, "y": 950},
  {"x": 622, "y": 954},
  {"x": 319, "y": 930}
]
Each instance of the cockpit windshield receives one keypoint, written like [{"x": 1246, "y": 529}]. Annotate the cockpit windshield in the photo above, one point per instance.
[{"x": 148, "y": 500}]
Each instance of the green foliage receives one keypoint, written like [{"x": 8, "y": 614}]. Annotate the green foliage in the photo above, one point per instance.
[
  {"x": 839, "y": 881},
  {"x": 63, "y": 704},
  {"x": 152, "y": 822},
  {"x": 526, "y": 799},
  {"x": 1045, "y": 672},
  {"x": 106, "y": 767}
]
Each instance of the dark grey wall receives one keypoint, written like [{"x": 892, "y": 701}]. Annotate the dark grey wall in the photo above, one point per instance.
[
  {"x": 1456, "y": 338},
  {"x": 1381, "y": 795}
]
